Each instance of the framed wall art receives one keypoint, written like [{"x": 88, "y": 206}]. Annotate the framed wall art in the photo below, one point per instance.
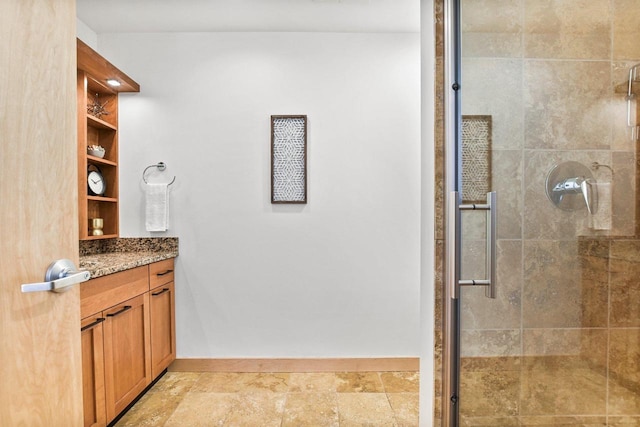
[{"x": 289, "y": 159}]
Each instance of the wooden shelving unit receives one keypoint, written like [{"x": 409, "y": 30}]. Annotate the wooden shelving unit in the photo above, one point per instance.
[{"x": 93, "y": 72}]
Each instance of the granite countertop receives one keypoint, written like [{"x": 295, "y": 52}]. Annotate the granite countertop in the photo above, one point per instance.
[
  {"x": 124, "y": 254},
  {"x": 113, "y": 262}
]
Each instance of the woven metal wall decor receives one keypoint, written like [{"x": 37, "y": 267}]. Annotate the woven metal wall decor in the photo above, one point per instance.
[
  {"x": 476, "y": 158},
  {"x": 289, "y": 159}
]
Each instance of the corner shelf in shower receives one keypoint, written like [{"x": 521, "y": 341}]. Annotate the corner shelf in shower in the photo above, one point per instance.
[{"x": 623, "y": 88}]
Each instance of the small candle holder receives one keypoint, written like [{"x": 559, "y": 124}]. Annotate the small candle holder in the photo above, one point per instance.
[{"x": 96, "y": 225}]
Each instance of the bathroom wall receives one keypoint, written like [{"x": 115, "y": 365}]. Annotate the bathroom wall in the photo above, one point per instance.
[
  {"x": 337, "y": 277},
  {"x": 86, "y": 34},
  {"x": 551, "y": 332},
  {"x": 557, "y": 103}
]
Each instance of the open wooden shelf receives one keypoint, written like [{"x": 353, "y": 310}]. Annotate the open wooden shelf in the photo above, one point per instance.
[
  {"x": 104, "y": 236},
  {"x": 102, "y": 199},
  {"x": 100, "y": 161},
  {"x": 99, "y": 123},
  {"x": 93, "y": 73},
  {"x": 95, "y": 65}
]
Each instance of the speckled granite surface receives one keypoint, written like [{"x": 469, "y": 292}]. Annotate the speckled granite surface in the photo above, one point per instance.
[
  {"x": 128, "y": 244},
  {"x": 102, "y": 257}
]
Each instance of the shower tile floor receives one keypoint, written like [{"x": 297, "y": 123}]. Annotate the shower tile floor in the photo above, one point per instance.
[{"x": 278, "y": 399}]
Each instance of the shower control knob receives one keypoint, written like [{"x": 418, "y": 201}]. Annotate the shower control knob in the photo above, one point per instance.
[{"x": 571, "y": 186}]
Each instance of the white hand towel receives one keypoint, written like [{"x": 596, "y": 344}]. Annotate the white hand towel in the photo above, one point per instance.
[
  {"x": 601, "y": 220},
  {"x": 157, "y": 207}
]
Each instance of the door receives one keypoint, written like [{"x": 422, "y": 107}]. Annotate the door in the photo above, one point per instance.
[
  {"x": 541, "y": 109},
  {"x": 162, "y": 306},
  {"x": 127, "y": 353},
  {"x": 40, "y": 362},
  {"x": 93, "y": 381}
]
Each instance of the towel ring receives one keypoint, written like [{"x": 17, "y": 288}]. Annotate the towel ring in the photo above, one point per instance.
[
  {"x": 161, "y": 167},
  {"x": 595, "y": 166}
]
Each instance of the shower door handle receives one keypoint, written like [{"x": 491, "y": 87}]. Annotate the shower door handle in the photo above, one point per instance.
[{"x": 454, "y": 257}]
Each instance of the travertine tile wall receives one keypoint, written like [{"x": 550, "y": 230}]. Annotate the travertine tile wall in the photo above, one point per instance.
[
  {"x": 560, "y": 344},
  {"x": 439, "y": 207}
]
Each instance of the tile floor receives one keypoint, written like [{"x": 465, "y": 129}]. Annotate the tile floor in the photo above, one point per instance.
[{"x": 278, "y": 399}]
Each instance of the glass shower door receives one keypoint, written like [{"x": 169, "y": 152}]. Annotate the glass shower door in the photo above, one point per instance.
[{"x": 544, "y": 115}]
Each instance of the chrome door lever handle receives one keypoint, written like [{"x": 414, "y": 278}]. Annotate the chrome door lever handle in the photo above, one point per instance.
[{"x": 60, "y": 276}]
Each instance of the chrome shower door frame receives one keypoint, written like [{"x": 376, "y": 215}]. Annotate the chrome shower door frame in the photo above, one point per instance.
[
  {"x": 454, "y": 206},
  {"x": 452, "y": 178}
]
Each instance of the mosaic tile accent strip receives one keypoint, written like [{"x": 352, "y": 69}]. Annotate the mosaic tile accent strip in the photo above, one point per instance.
[
  {"x": 288, "y": 159},
  {"x": 476, "y": 158}
]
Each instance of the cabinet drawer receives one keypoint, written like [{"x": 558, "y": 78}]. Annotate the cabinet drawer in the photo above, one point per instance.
[
  {"x": 107, "y": 291},
  {"x": 160, "y": 273}
]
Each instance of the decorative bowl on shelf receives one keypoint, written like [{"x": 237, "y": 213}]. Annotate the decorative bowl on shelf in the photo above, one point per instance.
[{"x": 95, "y": 150}]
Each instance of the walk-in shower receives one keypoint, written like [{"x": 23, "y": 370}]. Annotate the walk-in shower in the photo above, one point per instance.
[{"x": 555, "y": 242}]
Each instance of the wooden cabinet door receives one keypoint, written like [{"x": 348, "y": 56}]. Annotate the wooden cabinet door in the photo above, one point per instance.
[
  {"x": 93, "y": 371},
  {"x": 163, "y": 327},
  {"x": 127, "y": 353}
]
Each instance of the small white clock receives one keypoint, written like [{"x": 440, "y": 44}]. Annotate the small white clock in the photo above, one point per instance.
[{"x": 95, "y": 180}]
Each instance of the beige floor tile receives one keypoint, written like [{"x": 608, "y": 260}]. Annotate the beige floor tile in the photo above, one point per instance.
[
  {"x": 624, "y": 421},
  {"x": 257, "y": 409},
  {"x": 311, "y": 410},
  {"x": 231, "y": 382},
  {"x": 278, "y": 399},
  {"x": 400, "y": 382},
  {"x": 220, "y": 382},
  {"x": 153, "y": 409},
  {"x": 176, "y": 382},
  {"x": 358, "y": 382},
  {"x": 276, "y": 383},
  {"x": 365, "y": 409},
  {"x": 406, "y": 407},
  {"x": 203, "y": 410},
  {"x": 312, "y": 382}
]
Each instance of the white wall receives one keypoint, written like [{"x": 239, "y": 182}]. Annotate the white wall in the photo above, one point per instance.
[
  {"x": 338, "y": 277},
  {"x": 86, "y": 34}
]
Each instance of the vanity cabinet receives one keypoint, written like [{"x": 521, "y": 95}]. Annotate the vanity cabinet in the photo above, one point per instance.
[
  {"x": 128, "y": 337},
  {"x": 91, "y": 328},
  {"x": 98, "y": 125},
  {"x": 127, "y": 352},
  {"x": 162, "y": 304}
]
